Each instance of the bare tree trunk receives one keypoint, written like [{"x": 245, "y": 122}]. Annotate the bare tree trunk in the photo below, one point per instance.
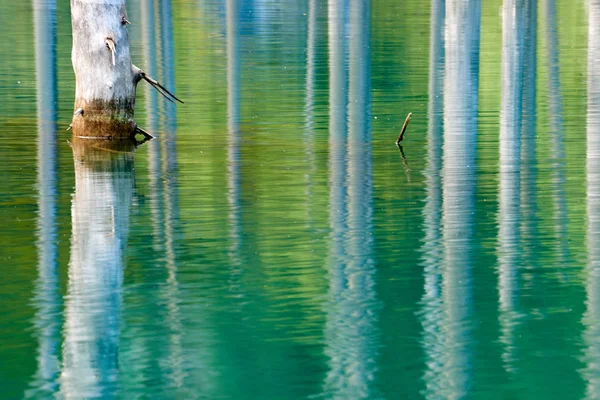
[
  {"x": 106, "y": 78},
  {"x": 105, "y": 93}
]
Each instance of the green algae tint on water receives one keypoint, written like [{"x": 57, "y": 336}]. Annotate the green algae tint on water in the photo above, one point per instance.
[{"x": 273, "y": 242}]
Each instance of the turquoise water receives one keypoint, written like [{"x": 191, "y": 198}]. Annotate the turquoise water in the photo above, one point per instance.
[{"x": 273, "y": 242}]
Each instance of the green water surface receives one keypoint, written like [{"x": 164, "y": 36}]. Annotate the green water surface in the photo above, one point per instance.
[{"x": 273, "y": 242}]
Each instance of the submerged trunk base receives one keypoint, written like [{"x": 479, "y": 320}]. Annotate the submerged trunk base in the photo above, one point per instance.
[
  {"x": 103, "y": 128},
  {"x": 103, "y": 119}
]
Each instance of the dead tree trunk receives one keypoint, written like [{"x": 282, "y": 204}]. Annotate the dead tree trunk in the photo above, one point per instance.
[{"x": 105, "y": 77}]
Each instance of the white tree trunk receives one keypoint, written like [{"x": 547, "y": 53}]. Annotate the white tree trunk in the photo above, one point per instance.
[{"x": 106, "y": 79}]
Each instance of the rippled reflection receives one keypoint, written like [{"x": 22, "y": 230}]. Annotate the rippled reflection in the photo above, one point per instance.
[
  {"x": 100, "y": 224},
  {"x": 164, "y": 354},
  {"x": 528, "y": 173},
  {"x": 309, "y": 105},
  {"x": 514, "y": 20},
  {"x": 170, "y": 192},
  {"x": 592, "y": 315},
  {"x": 252, "y": 269},
  {"x": 432, "y": 310},
  {"x": 517, "y": 200},
  {"x": 47, "y": 297},
  {"x": 557, "y": 134},
  {"x": 350, "y": 335},
  {"x": 234, "y": 138},
  {"x": 461, "y": 82},
  {"x": 148, "y": 16},
  {"x": 447, "y": 302}
]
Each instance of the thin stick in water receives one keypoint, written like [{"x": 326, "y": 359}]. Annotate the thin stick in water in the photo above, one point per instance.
[{"x": 406, "y": 121}]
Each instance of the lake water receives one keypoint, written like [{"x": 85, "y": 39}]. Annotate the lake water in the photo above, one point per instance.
[{"x": 273, "y": 242}]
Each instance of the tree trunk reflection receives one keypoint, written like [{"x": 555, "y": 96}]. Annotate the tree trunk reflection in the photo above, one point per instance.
[
  {"x": 432, "y": 308},
  {"x": 351, "y": 333},
  {"x": 100, "y": 223},
  {"x": 47, "y": 299},
  {"x": 509, "y": 217},
  {"x": 461, "y": 84},
  {"x": 592, "y": 316},
  {"x": 557, "y": 134}
]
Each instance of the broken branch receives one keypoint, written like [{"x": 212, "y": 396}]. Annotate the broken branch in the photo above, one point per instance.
[
  {"x": 139, "y": 74},
  {"x": 143, "y": 132}
]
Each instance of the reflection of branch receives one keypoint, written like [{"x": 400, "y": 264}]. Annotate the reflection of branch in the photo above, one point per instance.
[
  {"x": 404, "y": 162},
  {"x": 138, "y": 143},
  {"x": 404, "y": 126}
]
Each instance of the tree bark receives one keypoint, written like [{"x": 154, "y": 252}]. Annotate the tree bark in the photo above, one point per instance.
[{"x": 106, "y": 79}]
